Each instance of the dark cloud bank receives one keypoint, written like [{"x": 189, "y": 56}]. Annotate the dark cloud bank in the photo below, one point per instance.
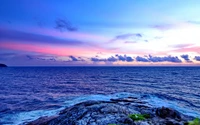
[
  {"x": 197, "y": 58},
  {"x": 15, "y": 35},
  {"x": 150, "y": 58},
  {"x": 116, "y": 58},
  {"x": 186, "y": 58}
]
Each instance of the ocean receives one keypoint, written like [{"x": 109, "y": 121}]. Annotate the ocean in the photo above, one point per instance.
[{"x": 27, "y": 93}]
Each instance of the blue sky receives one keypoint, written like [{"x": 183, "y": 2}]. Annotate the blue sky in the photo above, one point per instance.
[{"x": 99, "y": 32}]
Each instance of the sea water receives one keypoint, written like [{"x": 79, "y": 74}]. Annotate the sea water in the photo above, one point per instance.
[{"x": 27, "y": 93}]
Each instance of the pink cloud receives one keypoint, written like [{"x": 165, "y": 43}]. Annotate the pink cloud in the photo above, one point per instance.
[
  {"x": 45, "y": 49},
  {"x": 190, "y": 49},
  {"x": 62, "y": 50}
]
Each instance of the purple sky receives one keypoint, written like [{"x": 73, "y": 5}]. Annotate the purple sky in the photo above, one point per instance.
[{"x": 99, "y": 32}]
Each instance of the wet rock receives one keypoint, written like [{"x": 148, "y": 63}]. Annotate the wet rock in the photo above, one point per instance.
[
  {"x": 42, "y": 121},
  {"x": 171, "y": 123},
  {"x": 115, "y": 111},
  {"x": 167, "y": 112},
  {"x": 142, "y": 123},
  {"x": 126, "y": 120},
  {"x": 129, "y": 99}
]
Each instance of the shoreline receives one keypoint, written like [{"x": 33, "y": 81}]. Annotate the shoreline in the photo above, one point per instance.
[
  {"x": 155, "y": 101},
  {"x": 114, "y": 112}
]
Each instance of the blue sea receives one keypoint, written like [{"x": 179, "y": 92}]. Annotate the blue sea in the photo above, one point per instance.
[{"x": 27, "y": 93}]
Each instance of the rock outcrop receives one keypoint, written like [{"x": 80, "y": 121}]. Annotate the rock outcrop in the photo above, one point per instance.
[{"x": 114, "y": 112}]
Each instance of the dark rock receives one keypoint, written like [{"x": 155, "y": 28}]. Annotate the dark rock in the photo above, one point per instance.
[
  {"x": 126, "y": 120},
  {"x": 3, "y": 65},
  {"x": 116, "y": 111},
  {"x": 42, "y": 121},
  {"x": 142, "y": 123},
  {"x": 167, "y": 112},
  {"x": 170, "y": 123}
]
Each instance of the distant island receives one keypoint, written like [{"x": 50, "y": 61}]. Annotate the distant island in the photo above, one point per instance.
[{"x": 3, "y": 65}]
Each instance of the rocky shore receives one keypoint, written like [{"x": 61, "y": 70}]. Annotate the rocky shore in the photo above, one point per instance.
[{"x": 122, "y": 111}]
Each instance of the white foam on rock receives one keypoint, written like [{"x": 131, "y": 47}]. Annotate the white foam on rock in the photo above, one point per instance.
[
  {"x": 158, "y": 102},
  {"x": 22, "y": 117},
  {"x": 98, "y": 98}
]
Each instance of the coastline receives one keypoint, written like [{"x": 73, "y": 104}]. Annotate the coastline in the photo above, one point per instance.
[
  {"x": 154, "y": 101},
  {"x": 114, "y": 111}
]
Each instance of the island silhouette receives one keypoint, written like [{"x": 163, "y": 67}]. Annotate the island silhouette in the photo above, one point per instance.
[{"x": 3, "y": 65}]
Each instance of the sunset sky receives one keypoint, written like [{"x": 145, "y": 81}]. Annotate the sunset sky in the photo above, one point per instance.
[{"x": 99, "y": 32}]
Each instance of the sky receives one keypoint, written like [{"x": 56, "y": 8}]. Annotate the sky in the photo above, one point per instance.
[{"x": 99, "y": 32}]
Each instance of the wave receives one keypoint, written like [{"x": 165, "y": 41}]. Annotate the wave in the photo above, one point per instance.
[{"x": 154, "y": 100}]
